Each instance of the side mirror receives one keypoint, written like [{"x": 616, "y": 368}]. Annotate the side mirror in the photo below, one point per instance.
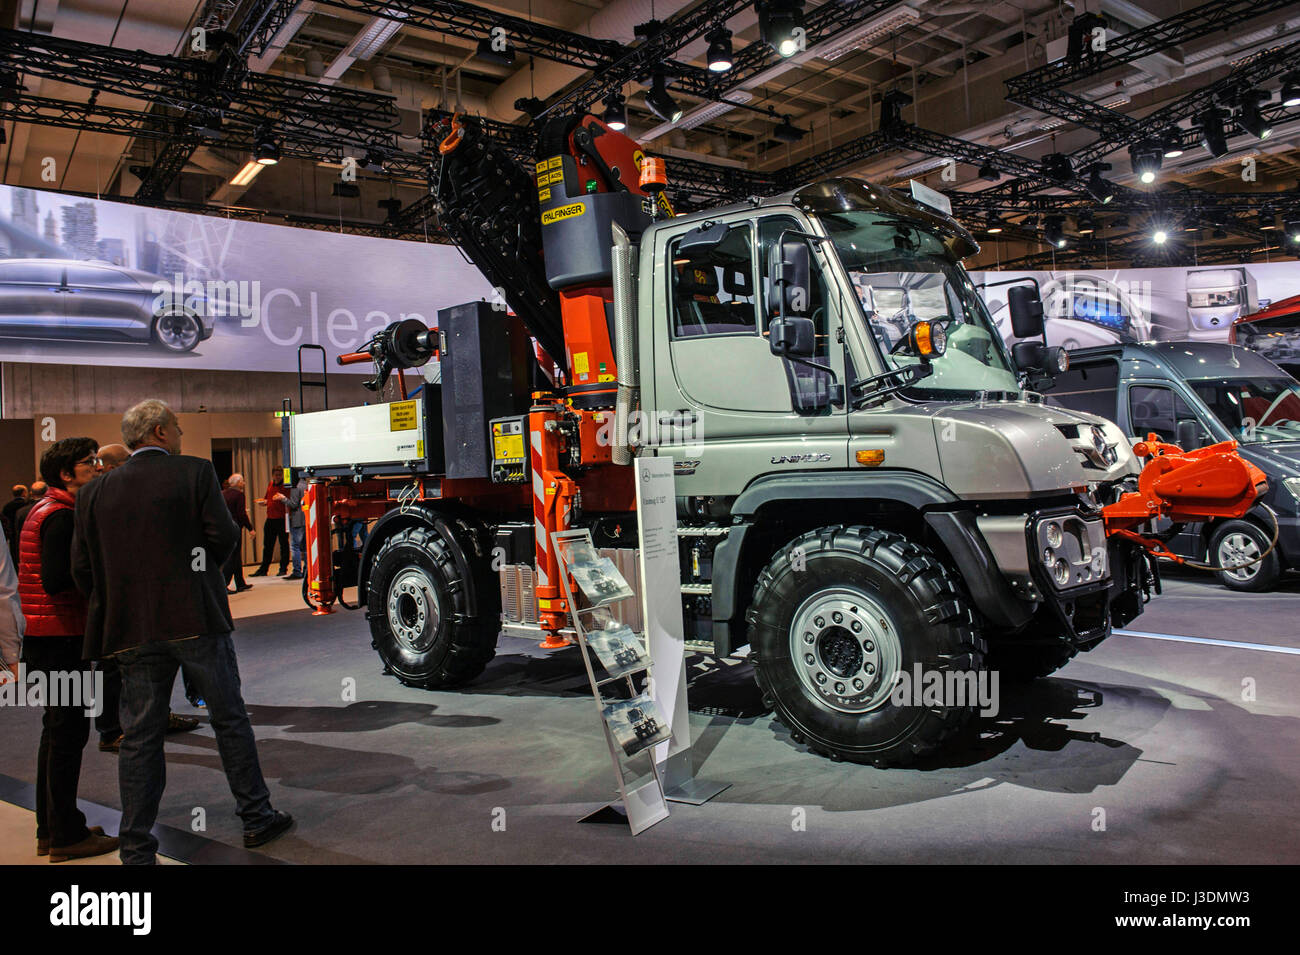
[
  {"x": 1026, "y": 311},
  {"x": 793, "y": 337},
  {"x": 1190, "y": 435},
  {"x": 704, "y": 239},
  {"x": 1029, "y": 356},
  {"x": 789, "y": 272}
]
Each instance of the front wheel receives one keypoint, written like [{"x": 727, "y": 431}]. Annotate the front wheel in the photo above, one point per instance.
[
  {"x": 177, "y": 331},
  {"x": 851, "y": 630},
  {"x": 1236, "y": 548}
]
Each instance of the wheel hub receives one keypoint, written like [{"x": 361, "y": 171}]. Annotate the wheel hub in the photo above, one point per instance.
[
  {"x": 1235, "y": 550},
  {"x": 177, "y": 331},
  {"x": 845, "y": 649},
  {"x": 412, "y": 610}
]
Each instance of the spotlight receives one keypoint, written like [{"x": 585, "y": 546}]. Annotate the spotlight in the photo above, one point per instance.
[
  {"x": 1103, "y": 190},
  {"x": 1054, "y": 231},
  {"x": 1173, "y": 144},
  {"x": 1293, "y": 231},
  {"x": 373, "y": 161},
  {"x": 530, "y": 105},
  {"x": 489, "y": 54},
  {"x": 1213, "y": 137},
  {"x": 658, "y": 100},
  {"x": 1086, "y": 224},
  {"x": 1146, "y": 156},
  {"x": 720, "y": 50},
  {"x": 787, "y": 132},
  {"x": 995, "y": 227},
  {"x": 1159, "y": 236},
  {"x": 1057, "y": 167},
  {"x": 1267, "y": 218},
  {"x": 1291, "y": 88},
  {"x": 891, "y": 108},
  {"x": 266, "y": 150},
  {"x": 1249, "y": 118},
  {"x": 616, "y": 111},
  {"x": 780, "y": 24},
  {"x": 989, "y": 174}
]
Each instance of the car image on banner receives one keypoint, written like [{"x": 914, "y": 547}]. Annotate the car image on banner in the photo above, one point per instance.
[{"x": 88, "y": 281}]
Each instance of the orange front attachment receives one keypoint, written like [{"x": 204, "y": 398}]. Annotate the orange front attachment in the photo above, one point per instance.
[{"x": 1185, "y": 487}]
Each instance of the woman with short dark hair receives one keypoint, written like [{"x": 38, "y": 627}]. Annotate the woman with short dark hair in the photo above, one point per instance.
[{"x": 56, "y": 626}]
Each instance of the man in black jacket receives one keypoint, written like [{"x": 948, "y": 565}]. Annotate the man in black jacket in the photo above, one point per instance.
[{"x": 149, "y": 544}]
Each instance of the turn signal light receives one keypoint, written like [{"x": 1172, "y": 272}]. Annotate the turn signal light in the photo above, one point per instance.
[{"x": 871, "y": 458}]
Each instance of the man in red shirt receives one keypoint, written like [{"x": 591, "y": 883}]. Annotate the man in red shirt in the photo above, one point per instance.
[{"x": 274, "y": 529}]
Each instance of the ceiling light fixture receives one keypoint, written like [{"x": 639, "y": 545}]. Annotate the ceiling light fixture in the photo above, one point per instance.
[
  {"x": 1291, "y": 88},
  {"x": 266, "y": 150},
  {"x": 1249, "y": 117},
  {"x": 1146, "y": 155},
  {"x": 1213, "y": 136},
  {"x": 1101, "y": 189},
  {"x": 780, "y": 24},
  {"x": 616, "y": 111},
  {"x": 719, "y": 56},
  {"x": 787, "y": 132},
  {"x": 659, "y": 101}
]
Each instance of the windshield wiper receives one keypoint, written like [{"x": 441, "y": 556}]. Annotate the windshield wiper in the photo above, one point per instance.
[{"x": 888, "y": 383}]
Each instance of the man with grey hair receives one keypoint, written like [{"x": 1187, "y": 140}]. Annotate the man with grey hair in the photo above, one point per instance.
[
  {"x": 237, "y": 504},
  {"x": 150, "y": 541}
]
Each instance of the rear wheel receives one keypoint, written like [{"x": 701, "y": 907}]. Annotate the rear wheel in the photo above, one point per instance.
[
  {"x": 838, "y": 614},
  {"x": 1236, "y": 547},
  {"x": 434, "y": 618}
]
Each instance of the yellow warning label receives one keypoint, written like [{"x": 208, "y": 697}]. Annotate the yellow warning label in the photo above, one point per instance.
[
  {"x": 541, "y": 166},
  {"x": 419, "y": 448},
  {"x": 507, "y": 446},
  {"x": 637, "y": 157},
  {"x": 560, "y": 213},
  {"x": 288, "y": 477},
  {"x": 543, "y": 195},
  {"x": 401, "y": 416},
  {"x": 556, "y": 176},
  {"x": 550, "y": 490},
  {"x": 544, "y": 603},
  {"x": 605, "y": 378},
  {"x": 580, "y": 363},
  {"x": 555, "y": 162}
]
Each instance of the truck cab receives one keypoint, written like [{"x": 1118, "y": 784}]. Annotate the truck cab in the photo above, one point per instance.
[{"x": 1194, "y": 394}]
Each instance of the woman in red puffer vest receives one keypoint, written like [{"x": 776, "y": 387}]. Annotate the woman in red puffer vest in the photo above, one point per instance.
[{"x": 56, "y": 626}]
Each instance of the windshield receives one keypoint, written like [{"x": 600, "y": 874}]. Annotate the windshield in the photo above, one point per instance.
[
  {"x": 1254, "y": 410},
  {"x": 902, "y": 274}
]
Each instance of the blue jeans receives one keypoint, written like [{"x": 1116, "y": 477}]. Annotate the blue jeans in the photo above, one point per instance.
[
  {"x": 148, "y": 675},
  {"x": 298, "y": 548}
]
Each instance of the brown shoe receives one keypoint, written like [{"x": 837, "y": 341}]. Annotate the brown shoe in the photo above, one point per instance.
[
  {"x": 112, "y": 747},
  {"x": 181, "y": 724},
  {"x": 43, "y": 845},
  {"x": 95, "y": 844}
]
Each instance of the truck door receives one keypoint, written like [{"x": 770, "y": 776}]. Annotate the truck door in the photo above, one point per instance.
[{"x": 729, "y": 410}]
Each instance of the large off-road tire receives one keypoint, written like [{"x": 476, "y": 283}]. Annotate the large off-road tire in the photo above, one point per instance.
[
  {"x": 433, "y": 608},
  {"x": 836, "y": 614},
  {"x": 1026, "y": 662},
  {"x": 1236, "y": 542}
]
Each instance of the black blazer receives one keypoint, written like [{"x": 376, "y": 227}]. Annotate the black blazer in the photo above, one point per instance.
[{"x": 149, "y": 541}]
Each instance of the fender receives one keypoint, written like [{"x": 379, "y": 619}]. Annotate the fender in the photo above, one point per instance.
[
  {"x": 395, "y": 520},
  {"x": 956, "y": 528}
]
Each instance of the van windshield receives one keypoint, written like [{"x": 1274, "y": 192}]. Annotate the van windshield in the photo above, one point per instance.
[
  {"x": 1254, "y": 410},
  {"x": 902, "y": 274}
]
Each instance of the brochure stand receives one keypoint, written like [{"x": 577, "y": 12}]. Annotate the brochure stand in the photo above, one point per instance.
[{"x": 632, "y": 727}]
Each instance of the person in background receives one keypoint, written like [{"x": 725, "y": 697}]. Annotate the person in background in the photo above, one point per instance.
[
  {"x": 7, "y": 514},
  {"x": 56, "y": 625},
  {"x": 108, "y": 723},
  {"x": 297, "y": 529},
  {"x": 273, "y": 528},
  {"x": 35, "y": 494},
  {"x": 238, "y": 507},
  {"x": 158, "y": 602},
  {"x": 12, "y": 622}
]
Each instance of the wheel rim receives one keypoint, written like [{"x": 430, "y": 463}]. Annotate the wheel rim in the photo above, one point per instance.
[
  {"x": 845, "y": 649},
  {"x": 178, "y": 331},
  {"x": 1238, "y": 549},
  {"x": 412, "y": 610}
]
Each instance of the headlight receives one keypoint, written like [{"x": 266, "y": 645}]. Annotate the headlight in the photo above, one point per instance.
[
  {"x": 1054, "y": 535},
  {"x": 1062, "y": 572},
  {"x": 1292, "y": 485}
]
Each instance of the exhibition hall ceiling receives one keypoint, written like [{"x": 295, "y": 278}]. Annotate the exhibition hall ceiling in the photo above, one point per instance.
[{"x": 939, "y": 68}]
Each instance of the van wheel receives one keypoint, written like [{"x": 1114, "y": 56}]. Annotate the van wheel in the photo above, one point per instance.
[
  {"x": 1236, "y": 542},
  {"x": 177, "y": 331},
  {"x": 837, "y": 616},
  {"x": 432, "y": 620}
]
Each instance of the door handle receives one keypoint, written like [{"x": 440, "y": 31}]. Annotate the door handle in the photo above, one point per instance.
[{"x": 679, "y": 418}]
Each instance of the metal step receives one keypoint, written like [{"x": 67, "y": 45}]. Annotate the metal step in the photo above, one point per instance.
[
  {"x": 703, "y": 531},
  {"x": 699, "y": 646},
  {"x": 701, "y": 589}
]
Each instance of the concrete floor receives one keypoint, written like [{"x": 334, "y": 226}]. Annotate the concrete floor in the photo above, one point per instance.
[{"x": 1152, "y": 739}]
